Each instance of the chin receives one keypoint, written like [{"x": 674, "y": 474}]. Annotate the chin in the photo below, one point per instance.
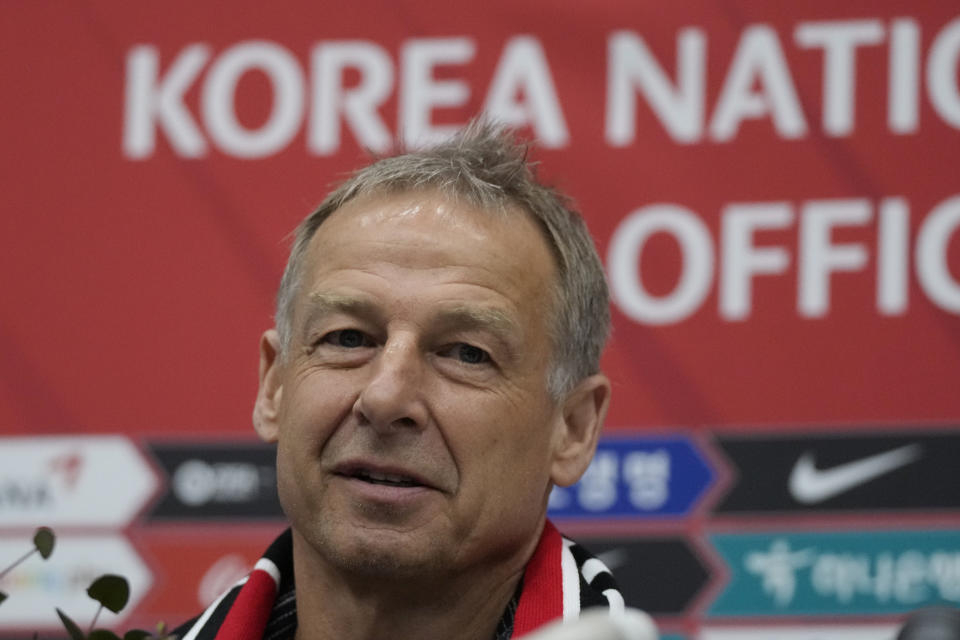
[
  {"x": 383, "y": 555},
  {"x": 357, "y": 546}
]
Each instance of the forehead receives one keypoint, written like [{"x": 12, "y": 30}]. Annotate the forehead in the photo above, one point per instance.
[
  {"x": 442, "y": 224},
  {"x": 425, "y": 234}
]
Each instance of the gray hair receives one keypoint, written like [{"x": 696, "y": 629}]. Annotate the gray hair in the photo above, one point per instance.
[{"x": 485, "y": 166}]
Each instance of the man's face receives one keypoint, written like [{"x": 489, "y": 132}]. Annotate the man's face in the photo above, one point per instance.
[{"x": 415, "y": 430}]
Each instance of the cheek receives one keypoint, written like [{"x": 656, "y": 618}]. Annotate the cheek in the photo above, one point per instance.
[
  {"x": 289, "y": 491},
  {"x": 309, "y": 418},
  {"x": 313, "y": 408},
  {"x": 504, "y": 454}
]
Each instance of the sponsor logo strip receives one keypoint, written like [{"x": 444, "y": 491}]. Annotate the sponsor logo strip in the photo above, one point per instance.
[
  {"x": 843, "y": 473},
  {"x": 83, "y": 481},
  {"x": 217, "y": 481},
  {"x": 848, "y": 573},
  {"x": 36, "y": 587},
  {"x": 646, "y": 477}
]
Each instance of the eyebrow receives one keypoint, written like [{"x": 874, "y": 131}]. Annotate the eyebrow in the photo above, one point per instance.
[
  {"x": 325, "y": 302},
  {"x": 495, "y": 321},
  {"x": 320, "y": 304}
]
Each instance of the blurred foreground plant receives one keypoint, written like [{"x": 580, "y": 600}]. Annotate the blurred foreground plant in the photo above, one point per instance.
[
  {"x": 111, "y": 591},
  {"x": 43, "y": 541}
]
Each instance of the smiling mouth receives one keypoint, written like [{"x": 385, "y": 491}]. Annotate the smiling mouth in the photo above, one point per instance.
[{"x": 387, "y": 479}]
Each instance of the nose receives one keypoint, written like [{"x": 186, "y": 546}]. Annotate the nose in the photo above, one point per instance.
[{"x": 392, "y": 395}]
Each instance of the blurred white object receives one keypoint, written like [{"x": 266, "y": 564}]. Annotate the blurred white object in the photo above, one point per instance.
[
  {"x": 933, "y": 623},
  {"x": 631, "y": 624}
]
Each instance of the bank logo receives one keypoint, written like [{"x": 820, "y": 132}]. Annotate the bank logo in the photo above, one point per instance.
[
  {"x": 637, "y": 478},
  {"x": 100, "y": 481},
  {"x": 811, "y": 485},
  {"x": 777, "y": 569},
  {"x": 848, "y": 472},
  {"x": 848, "y": 573}
]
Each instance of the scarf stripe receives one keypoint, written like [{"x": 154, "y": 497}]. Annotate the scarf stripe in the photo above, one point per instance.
[
  {"x": 599, "y": 578},
  {"x": 571, "y": 583},
  {"x": 248, "y": 617},
  {"x": 542, "y": 597},
  {"x": 205, "y": 627}
]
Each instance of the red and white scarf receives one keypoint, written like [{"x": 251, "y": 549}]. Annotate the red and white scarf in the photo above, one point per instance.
[{"x": 560, "y": 581}]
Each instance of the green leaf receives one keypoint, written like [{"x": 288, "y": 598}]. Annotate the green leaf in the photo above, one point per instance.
[
  {"x": 3, "y": 596},
  {"x": 111, "y": 591},
  {"x": 136, "y": 634},
  {"x": 70, "y": 626},
  {"x": 43, "y": 540},
  {"x": 102, "y": 634}
]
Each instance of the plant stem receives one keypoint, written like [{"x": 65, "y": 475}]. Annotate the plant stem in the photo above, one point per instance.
[
  {"x": 22, "y": 558},
  {"x": 97, "y": 615}
]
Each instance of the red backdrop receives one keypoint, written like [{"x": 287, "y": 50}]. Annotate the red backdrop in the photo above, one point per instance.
[{"x": 773, "y": 188}]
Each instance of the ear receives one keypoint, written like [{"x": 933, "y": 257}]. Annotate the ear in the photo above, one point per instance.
[
  {"x": 583, "y": 411},
  {"x": 266, "y": 408}
]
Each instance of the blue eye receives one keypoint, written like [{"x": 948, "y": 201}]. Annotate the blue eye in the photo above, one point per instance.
[
  {"x": 470, "y": 354},
  {"x": 347, "y": 338}
]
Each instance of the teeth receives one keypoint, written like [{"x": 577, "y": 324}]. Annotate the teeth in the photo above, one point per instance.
[{"x": 386, "y": 478}]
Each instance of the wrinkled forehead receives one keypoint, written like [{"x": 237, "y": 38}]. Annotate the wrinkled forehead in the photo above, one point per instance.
[
  {"x": 442, "y": 230},
  {"x": 454, "y": 209}
]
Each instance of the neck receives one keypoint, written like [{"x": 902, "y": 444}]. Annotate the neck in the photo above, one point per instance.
[{"x": 332, "y": 604}]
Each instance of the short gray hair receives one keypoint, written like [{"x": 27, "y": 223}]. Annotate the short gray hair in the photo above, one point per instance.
[{"x": 485, "y": 166}]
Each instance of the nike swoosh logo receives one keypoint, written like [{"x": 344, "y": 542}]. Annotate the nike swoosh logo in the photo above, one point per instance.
[{"x": 809, "y": 485}]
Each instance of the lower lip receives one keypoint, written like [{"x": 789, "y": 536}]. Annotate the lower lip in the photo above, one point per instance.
[{"x": 384, "y": 493}]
